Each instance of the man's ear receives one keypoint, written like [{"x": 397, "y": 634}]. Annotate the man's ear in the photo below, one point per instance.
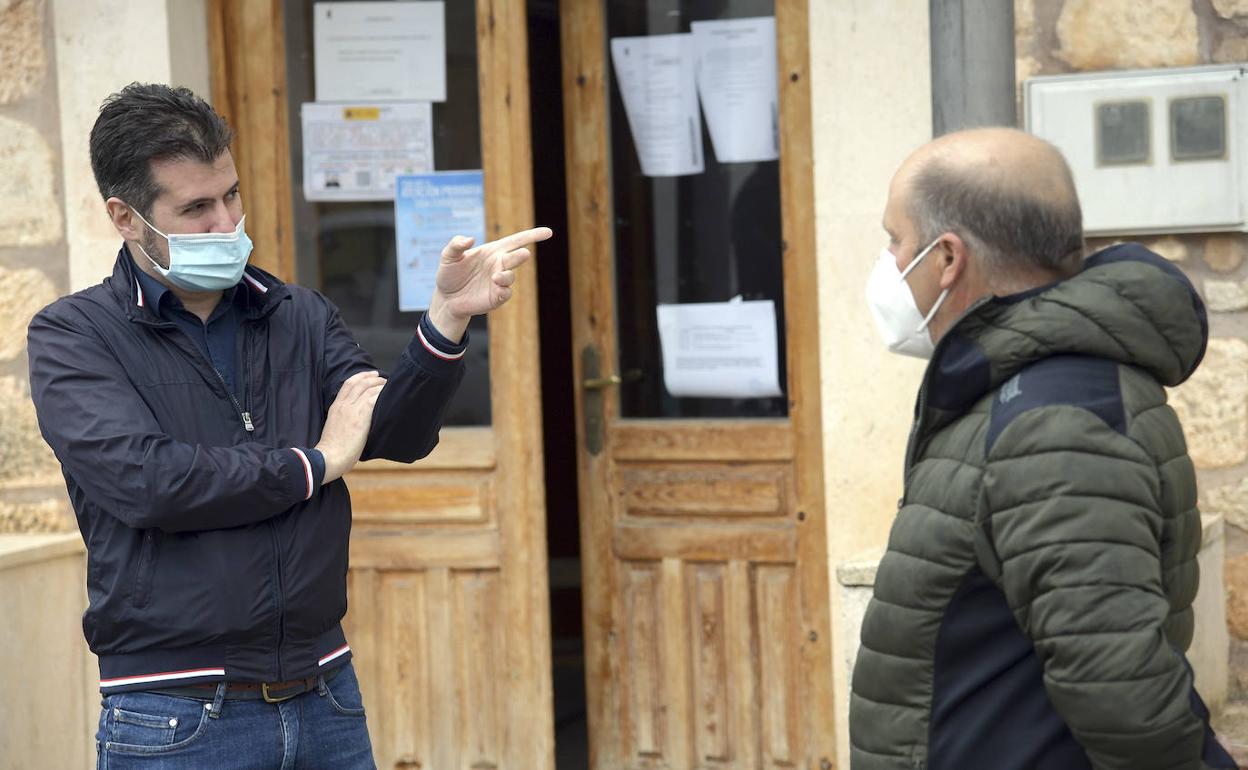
[
  {"x": 128, "y": 226},
  {"x": 954, "y": 259}
]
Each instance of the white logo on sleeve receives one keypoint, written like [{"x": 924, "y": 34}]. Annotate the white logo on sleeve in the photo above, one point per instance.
[{"x": 1011, "y": 390}]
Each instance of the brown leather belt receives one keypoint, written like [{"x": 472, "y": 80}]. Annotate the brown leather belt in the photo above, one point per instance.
[{"x": 269, "y": 692}]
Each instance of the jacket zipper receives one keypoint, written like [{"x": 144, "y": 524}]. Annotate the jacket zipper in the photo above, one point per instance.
[
  {"x": 278, "y": 582},
  {"x": 244, "y": 414},
  {"x": 281, "y": 604}
]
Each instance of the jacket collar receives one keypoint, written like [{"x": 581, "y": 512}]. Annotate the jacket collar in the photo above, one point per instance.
[
  {"x": 264, "y": 292},
  {"x": 1126, "y": 304}
]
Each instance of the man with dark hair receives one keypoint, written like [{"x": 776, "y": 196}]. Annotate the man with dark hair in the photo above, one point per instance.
[
  {"x": 204, "y": 413},
  {"x": 1035, "y": 601}
]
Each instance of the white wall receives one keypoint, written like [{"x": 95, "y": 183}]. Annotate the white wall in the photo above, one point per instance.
[{"x": 871, "y": 93}]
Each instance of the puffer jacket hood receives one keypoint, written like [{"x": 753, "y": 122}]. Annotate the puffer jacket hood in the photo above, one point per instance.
[{"x": 1127, "y": 305}]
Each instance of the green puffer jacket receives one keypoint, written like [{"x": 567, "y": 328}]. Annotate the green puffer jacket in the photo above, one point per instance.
[{"x": 1034, "y": 604}]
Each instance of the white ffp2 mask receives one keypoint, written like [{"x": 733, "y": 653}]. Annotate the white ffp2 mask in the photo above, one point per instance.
[{"x": 897, "y": 316}]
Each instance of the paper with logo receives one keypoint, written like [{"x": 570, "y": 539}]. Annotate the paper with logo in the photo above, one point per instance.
[
  {"x": 656, "y": 80},
  {"x": 429, "y": 210},
  {"x": 720, "y": 349},
  {"x": 736, "y": 74},
  {"x": 354, "y": 152},
  {"x": 380, "y": 51}
]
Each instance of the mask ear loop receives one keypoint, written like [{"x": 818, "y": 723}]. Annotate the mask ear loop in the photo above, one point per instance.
[
  {"x": 943, "y": 295},
  {"x": 915, "y": 262},
  {"x": 931, "y": 314}
]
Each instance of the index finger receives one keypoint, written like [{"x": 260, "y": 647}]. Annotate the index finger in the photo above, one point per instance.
[{"x": 524, "y": 238}]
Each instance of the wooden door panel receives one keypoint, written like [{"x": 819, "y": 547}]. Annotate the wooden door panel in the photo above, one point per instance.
[
  {"x": 712, "y": 652},
  {"x": 702, "y": 491},
  {"x": 704, "y": 541},
  {"x": 429, "y": 646}
]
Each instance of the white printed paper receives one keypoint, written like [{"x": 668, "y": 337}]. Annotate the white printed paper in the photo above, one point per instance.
[
  {"x": 736, "y": 74},
  {"x": 353, "y": 153},
  {"x": 380, "y": 51},
  {"x": 429, "y": 210},
  {"x": 660, "y": 94},
  {"x": 720, "y": 349}
]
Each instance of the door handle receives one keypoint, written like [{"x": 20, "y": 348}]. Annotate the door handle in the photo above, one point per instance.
[
  {"x": 598, "y": 383},
  {"x": 594, "y": 383}
]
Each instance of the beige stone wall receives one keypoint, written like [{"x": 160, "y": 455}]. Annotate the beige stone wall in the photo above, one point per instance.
[
  {"x": 33, "y": 258},
  {"x": 864, "y": 124},
  {"x": 58, "y": 60},
  {"x": 1055, "y": 36}
]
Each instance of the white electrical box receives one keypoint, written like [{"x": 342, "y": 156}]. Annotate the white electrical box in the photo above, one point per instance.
[{"x": 1152, "y": 151}]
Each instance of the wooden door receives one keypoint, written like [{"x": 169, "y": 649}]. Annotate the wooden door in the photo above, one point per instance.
[
  {"x": 448, "y": 614},
  {"x": 703, "y": 539}
]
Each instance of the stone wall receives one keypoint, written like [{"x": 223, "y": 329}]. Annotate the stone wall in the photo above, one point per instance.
[
  {"x": 33, "y": 258},
  {"x": 1057, "y": 36}
]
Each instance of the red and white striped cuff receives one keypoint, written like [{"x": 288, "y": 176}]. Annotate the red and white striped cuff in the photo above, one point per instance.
[{"x": 307, "y": 472}]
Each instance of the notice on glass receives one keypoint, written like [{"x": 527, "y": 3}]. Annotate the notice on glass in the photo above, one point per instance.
[
  {"x": 429, "y": 210},
  {"x": 354, "y": 153},
  {"x": 380, "y": 51},
  {"x": 720, "y": 349},
  {"x": 736, "y": 75},
  {"x": 660, "y": 94}
]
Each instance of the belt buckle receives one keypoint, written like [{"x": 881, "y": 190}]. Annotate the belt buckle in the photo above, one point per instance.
[{"x": 264, "y": 691}]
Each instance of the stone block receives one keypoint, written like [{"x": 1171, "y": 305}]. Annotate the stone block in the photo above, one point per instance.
[
  {"x": 1226, "y": 296},
  {"x": 23, "y": 60},
  {"x": 1213, "y": 406},
  {"x": 1236, "y": 575},
  {"x": 50, "y": 515},
  {"x": 1170, "y": 247},
  {"x": 1024, "y": 25},
  {"x": 1125, "y": 34},
  {"x": 1231, "y": 49},
  {"x": 1225, "y": 252},
  {"x": 1230, "y": 8},
  {"x": 23, "y": 454},
  {"x": 1230, "y": 500},
  {"x": 22, "y": 294},
  {"x": 31, "y": 214}
]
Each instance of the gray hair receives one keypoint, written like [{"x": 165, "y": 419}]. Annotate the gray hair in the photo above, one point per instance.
[{"x": 1008, "y": 227}]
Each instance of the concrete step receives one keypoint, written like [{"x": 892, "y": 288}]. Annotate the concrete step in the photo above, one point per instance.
[{"x": 1232, "y": 728}]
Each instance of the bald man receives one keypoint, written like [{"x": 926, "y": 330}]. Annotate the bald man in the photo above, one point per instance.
[{"x": 1034, "y": 605}]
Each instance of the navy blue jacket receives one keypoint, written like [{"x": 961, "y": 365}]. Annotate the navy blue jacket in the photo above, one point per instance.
[{"x": 213, "y": 550}]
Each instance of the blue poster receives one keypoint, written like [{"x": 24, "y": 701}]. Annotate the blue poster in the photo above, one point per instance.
[{"x": 429, "y": 210}]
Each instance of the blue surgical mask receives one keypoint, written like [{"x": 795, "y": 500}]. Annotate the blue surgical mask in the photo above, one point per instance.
[{"x": 203, "y": 261}]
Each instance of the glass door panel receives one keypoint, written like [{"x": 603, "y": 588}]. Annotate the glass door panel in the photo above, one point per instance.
[
  {"x": 346, "y": 250},
  {"x": 705, "y": 237}
]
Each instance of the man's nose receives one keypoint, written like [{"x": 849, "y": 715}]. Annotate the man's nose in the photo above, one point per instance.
[{"x": 223, "y": 220}]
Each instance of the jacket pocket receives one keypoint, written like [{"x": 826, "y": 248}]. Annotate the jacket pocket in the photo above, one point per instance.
[{"x": 141, "y": 588}]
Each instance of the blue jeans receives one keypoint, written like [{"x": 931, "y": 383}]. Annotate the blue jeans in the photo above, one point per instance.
[{"x": 322, "y": 728}]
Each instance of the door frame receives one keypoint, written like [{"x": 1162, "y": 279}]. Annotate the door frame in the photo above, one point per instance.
[
  {"x": 586, "y": 118},
  {"x": 248, "y": 65}
]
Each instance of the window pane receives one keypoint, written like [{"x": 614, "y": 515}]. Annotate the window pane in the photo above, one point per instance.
[
  {"x": 704, "y": 237},
  {"x": 1123, "y": 134},
  {"x": 346, "y": 250},
  {"x": 1198, "y": 128}
]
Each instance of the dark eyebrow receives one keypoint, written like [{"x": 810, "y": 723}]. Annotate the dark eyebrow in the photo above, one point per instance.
[{"x": 197, "y": 201}]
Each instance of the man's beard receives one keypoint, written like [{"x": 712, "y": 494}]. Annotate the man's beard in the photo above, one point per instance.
[{"x": 151, "y": 244}]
